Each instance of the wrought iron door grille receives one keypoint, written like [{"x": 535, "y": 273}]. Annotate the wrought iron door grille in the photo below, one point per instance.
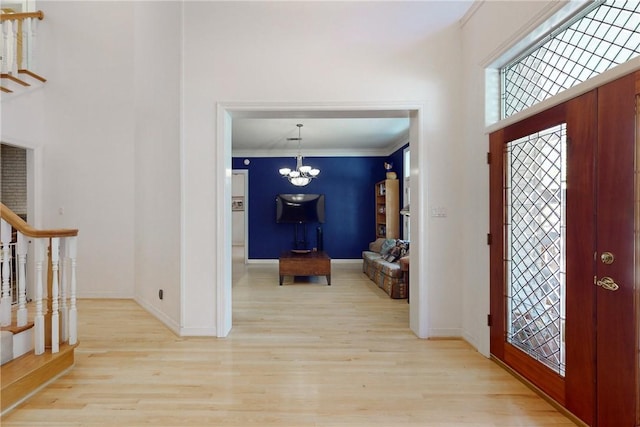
[
  {"x": 535, "y": 256},
  {"x": 604, "y": 37}
]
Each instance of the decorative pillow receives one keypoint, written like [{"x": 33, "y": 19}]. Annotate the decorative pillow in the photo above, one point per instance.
[
  {"x": 400, "y": 249},
  {"x": 387, "y": 246},
  {"x": 404, "y": 246},
  {"x": 393, "y": 255}
]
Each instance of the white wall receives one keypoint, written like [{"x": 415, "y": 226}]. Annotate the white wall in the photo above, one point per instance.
[
  {"x": 81, "y": 125},
  {"x": 157, "y": 44},
  {"x": 490, "y": 30},
  {"x": 106, "y": 131},
  {"x": 317, "y": 52}
]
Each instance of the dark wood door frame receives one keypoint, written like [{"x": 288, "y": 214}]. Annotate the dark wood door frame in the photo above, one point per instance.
[{"x": 601, "y": 130}]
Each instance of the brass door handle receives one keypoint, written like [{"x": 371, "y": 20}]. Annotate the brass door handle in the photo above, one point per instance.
[
  {"x": 607, "y": 258},
  {"x": 608, "y": 283}
]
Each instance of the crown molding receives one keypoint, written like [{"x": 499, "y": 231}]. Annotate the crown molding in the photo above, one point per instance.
[
  {"x": 312, "y": 153},
  {"x": 550, "y": 16}
]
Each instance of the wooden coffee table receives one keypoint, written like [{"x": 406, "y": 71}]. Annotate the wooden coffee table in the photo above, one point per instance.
[{"x": 305, "y": 264}]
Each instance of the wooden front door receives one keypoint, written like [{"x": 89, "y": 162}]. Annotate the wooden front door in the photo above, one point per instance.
[{"x": 564, "y": 210}]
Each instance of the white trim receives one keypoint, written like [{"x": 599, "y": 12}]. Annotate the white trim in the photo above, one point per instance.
[
  {"x": 262, "y": 261},
  {"x": 182, "y": 184},
  {"x": 419, "y": 255},
  {"x": 418, "y": 308},
  {"x": 162, "y": 317},
  {"x": 334, "y": 152},
  {"x": 549, "y": 17},
  {"x": 454, "y": 333},
  {"x": 223, "y": 223},
  {"x": 198, "y": 332},
  {"x": 477, "y": 4},
  {"x": 399, "y": 144},
  {"x": 333, "y": 261},
  {"x": 308, "y": 153},
  {"x": 594, "y": 82},
  {"x": 34, "y": 194}
]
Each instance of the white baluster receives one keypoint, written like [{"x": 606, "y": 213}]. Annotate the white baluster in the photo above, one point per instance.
[
  {"x": 26, "y": 23},
  {"x": 14, "y": 44},
  {"x": 5, "y": 298},
  {"x": 33, "y": 30},
  {"x": 64, "y": 309},
  {"x": 3, "y": 49},
  {"x": 73, "y": 312},
  {"x": 55, "y": 316},
  {"x": 6, "y": 47},
  {"x": 38, "y": 250},
  {"x": 22, "y": 279}
]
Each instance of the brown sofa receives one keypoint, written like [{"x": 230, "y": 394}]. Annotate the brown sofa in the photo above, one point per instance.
[{"x": 381, "y": 264}]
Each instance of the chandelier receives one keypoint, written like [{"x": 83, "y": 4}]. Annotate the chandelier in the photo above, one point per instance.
[{"x": 302, "y": 175}]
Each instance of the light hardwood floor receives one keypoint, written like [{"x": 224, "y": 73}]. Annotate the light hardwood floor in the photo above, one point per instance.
[{"x": 302, "y": 354}]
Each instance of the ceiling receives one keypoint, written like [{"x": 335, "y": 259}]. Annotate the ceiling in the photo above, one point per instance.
[{"x": 376, "y": 134}]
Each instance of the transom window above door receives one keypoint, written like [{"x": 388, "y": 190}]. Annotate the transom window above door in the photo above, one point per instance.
[{"x": 596, "y": 39}]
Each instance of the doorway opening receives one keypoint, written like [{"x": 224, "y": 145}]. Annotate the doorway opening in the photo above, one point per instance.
[
  {"x": 240, "y": 213},
  {"x": 226, "y": 114}
]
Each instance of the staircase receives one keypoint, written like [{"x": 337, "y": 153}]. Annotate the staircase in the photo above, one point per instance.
[
  {"x": 17, "y": 52},
  {"x": 39, "y": 338}
]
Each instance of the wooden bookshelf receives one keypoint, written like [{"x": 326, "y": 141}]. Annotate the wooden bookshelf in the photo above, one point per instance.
[{"x": 388, "y": 209}]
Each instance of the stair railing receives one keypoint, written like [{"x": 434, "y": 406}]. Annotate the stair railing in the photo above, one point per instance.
[
  {"x": 55, "y": 321},
  {"x": 18, "y": 47}
]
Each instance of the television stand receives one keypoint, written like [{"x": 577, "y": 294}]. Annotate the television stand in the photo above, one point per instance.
[{"x": 315, "y": 263}]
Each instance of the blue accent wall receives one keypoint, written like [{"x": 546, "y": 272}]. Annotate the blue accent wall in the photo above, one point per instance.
[{"x": 348, "y": 186}]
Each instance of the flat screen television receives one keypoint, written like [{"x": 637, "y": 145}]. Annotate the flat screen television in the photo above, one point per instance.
[{"x": 299, "y": 208}]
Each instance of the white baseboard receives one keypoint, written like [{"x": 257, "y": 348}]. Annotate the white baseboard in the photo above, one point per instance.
[
  {"x": 333, "y": 261},
  {"x": 162, "y": 317},
  {"x": 445, "y": 333},
  {"x": 198, "y": 332}
]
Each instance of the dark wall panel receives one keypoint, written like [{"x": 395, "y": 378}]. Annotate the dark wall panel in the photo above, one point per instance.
[{"x": 348, "y": 186}]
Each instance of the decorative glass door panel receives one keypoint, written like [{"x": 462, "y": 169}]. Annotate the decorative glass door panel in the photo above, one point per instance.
[
  {"x": 564, "y": 261},
  {"x": 535, "y": 187}
]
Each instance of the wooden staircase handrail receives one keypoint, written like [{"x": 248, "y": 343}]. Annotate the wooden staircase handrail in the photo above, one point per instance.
[
  {"x": 19, "y": 16},
  {"x": 19, "y": 224}
]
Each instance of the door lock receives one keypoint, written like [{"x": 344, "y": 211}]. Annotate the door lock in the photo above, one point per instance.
[
  {"x": 607, "y": 258},
  {"x": 608, "y": 284}
]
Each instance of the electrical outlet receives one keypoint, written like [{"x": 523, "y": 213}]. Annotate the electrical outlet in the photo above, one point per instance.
[{"x": 160, "y": 294}]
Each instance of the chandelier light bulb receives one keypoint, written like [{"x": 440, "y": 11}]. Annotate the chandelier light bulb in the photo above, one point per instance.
[
  {"x": 300, "y": 181},
  {"x": 302, "y": 175}
]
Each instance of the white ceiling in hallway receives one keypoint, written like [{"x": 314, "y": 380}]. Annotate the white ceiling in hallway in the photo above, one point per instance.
[{"x": 320, "y": 136}]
